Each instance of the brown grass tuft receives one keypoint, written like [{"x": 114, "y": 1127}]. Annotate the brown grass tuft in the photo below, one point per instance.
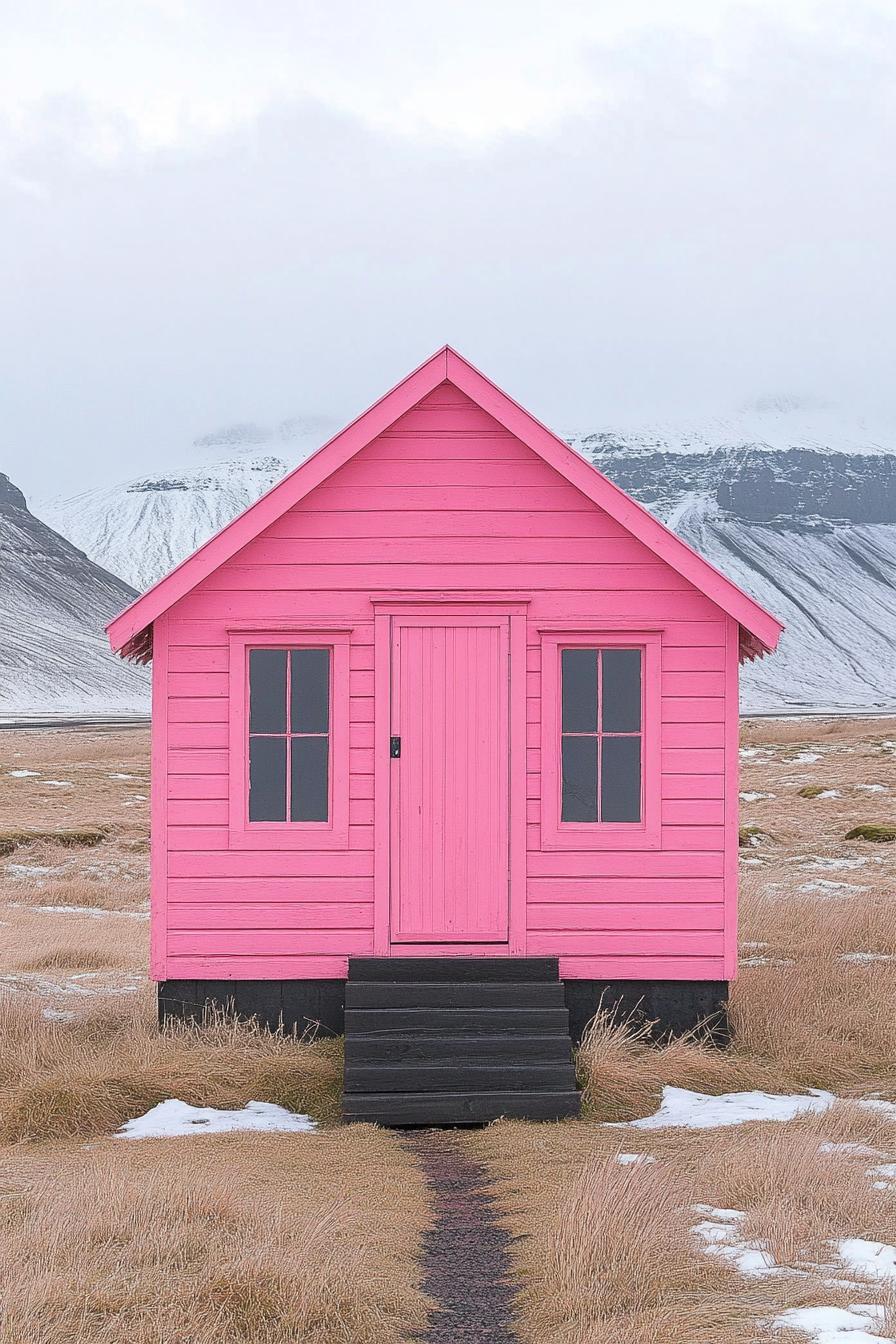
[
  {"x": 619, "y": 1258},
  {"x": 62, "y": 1079},
  {"x": 67, "y": 957},
  {"x": 68, "y": 839},
  {"x": 879, "y": 835}
]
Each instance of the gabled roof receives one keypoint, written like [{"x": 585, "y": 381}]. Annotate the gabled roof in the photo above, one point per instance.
[{"x": 131, "y": 632}]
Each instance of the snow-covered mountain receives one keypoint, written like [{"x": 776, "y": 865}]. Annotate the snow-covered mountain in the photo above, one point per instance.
[
  {"x": 797, "y": 504},
  {"x": 143, "y": 528},
  {"x": 54, "y": 657},
  {"x": 795, "y": 501}
]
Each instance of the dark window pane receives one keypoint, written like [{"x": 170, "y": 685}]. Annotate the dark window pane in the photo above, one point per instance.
[
  {"x": 621, "y": 686},
  {"x": 267, "y": 691},
  {"x": 579, "y": 695},
  {"x": 579, "y": 797},
  {"x": 310, "y": 791},
  {"x": 620, "y": 779},
  {"x": 310, "y": 690},
  {"x": 267, "y": 778}
]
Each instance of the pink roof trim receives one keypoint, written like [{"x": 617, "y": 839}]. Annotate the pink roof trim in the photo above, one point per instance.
[{"x": 762, "y": 630}]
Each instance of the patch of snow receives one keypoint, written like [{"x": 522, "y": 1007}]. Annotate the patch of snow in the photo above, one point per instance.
[
  {"x": 696, "y": 1110},
  {"x": 754, "y": 863},
  {"x": 868, "y": 1259},
  {"x": 863, "y": 958},
  {"x": 886, "y": 1174},
  {"x": 719, "y": 1235},
  {"x": 120, "y": 776},
  {"x": 23, "y": 774},
  {"x": 26, "y": 870},
  {"x": 831, "y": 865},
  {"x": 93, "y": 911},
  {"x": 33, "y": 983},
  {"x": 872, "y": 788},
  {"x": 683, "y": 1109},
  {"x": 58, "y": 783},
  {"x": 829, "y": 888},
  {"x": 887, "y": 1108},
  {"x": 860, "y": 1149},
  {"x": 171, "y": 1118},
  {"x": 90, "y": 910},
  {"x": 633, "y": 1159},
  {"x": 803, "y": 758},
  {"x": 829, "y": 793},
  {"x": 754, "y": 797},
  {"x": 835, "y": 1325}
]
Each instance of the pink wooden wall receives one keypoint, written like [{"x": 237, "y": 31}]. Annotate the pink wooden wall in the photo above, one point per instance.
[{"x": 445, "y": 500}]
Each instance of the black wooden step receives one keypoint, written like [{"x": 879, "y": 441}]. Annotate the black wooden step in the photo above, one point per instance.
[
  {"x": 454, "y": 1021},
  {"x": 451, "y": 994},
  {"x": 527, "y": 1077},
  {"x": 458, "y": 1108},
  {"x": 398, "y": 969},
  {"x": 446, "y": 1049}
]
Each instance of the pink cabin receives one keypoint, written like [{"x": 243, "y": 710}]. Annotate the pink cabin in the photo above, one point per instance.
[{"x": 445, "y": 749}]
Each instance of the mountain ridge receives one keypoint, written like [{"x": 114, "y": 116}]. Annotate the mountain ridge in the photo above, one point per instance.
[{"x": 54, "y": 657}]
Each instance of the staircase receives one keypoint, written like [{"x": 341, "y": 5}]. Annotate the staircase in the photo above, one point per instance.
[{"x": 456, "y": 1041}]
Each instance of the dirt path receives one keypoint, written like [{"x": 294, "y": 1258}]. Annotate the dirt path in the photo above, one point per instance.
[{"x": 465, "y": 1257}]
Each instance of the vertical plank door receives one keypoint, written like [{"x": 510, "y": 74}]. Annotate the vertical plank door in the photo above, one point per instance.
[{"x": 449, "y": 822}]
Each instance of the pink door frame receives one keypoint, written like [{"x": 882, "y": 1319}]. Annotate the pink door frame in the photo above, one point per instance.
[{"x": 443, "y": 605}]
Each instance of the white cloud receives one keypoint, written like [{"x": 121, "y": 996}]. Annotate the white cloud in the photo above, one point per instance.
[{"x": 213, "y": 212}]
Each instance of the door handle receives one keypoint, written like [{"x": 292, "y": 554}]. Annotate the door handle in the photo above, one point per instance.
[{"x": 395, "y": 747}]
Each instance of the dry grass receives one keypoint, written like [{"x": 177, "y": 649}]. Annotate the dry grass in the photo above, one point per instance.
[
  {"x": 63, "y": 956},
  {"x": 614, "y": 1251},
  {"x": 53, "y": 937},
  {"x": 605, "y": 1252},
  {"x": 80, "y": 1078},
  {"x": 261, "y": 1238}
]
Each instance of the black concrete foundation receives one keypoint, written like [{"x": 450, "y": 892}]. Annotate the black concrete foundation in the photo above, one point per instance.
[
  {"x": 301, "y": 1005},
  {"x": 673, "y": 1006}
]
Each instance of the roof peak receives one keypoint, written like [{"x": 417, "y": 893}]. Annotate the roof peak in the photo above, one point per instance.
[{"x": 129, "y": 631}]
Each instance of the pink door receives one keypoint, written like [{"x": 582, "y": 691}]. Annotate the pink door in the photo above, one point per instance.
[{"x": 449, "y": 820}]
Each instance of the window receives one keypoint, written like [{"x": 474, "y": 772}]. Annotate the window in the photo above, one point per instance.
[
  {"x": 289, "y": 734},
  {"x": 288, "y": 738},
  {"x": 600, "y": 741}
]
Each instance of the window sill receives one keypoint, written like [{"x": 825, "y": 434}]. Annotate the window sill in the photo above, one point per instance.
[
  {"x": 620, "y": 838},
  {"x": 289, "y": 835}
]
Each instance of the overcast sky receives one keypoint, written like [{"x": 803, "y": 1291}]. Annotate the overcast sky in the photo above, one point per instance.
[{"x": 214, "y": 211}]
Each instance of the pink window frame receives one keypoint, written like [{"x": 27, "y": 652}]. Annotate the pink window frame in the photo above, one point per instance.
[
  {"x": 312, "y": 835},
  {"x": 599, "y": 835}
]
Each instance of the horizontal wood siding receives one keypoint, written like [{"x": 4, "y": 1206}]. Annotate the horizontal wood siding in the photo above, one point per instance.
[{"x": 446, "y": 500}]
